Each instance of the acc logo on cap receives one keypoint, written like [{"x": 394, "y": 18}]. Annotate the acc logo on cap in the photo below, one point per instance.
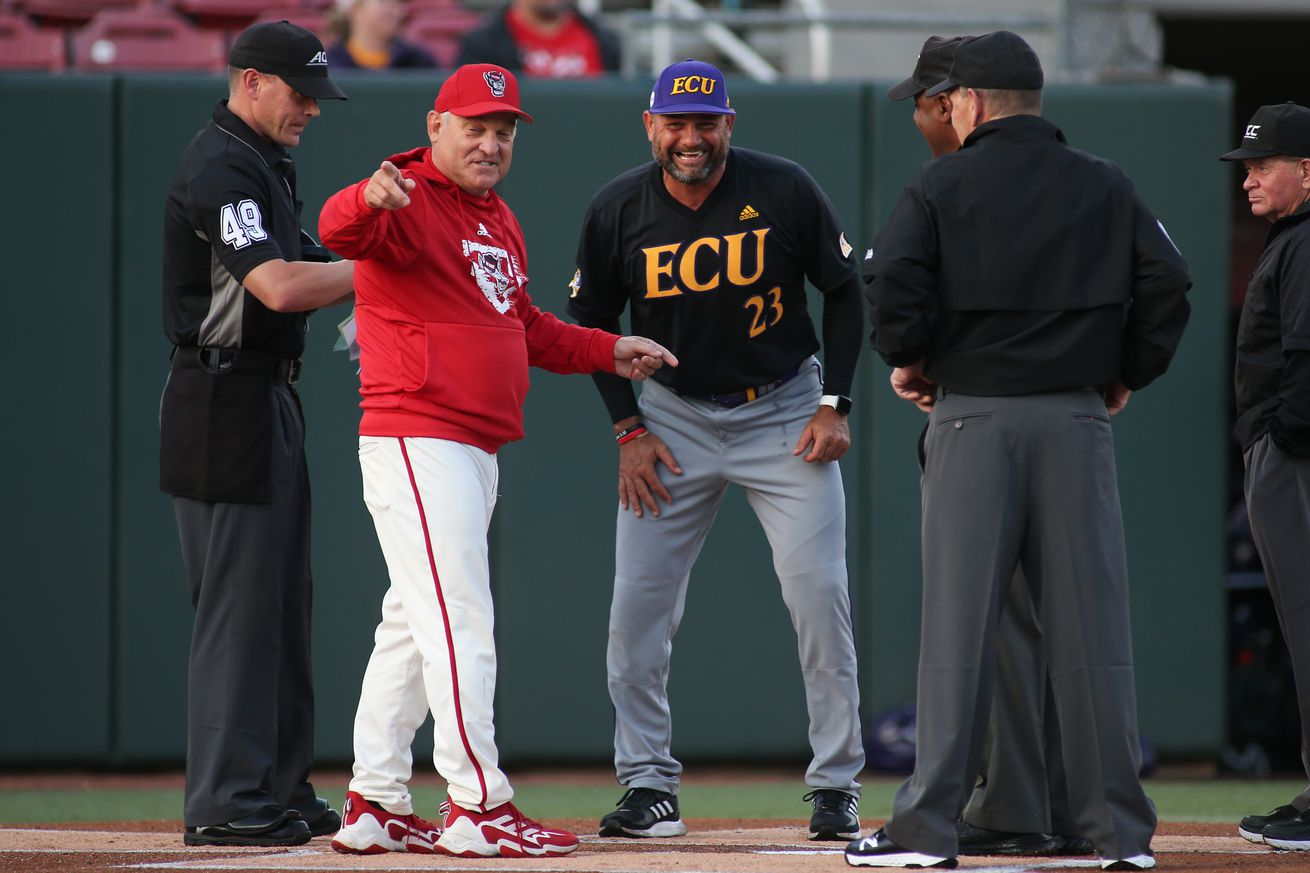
[
  {"x": 318, "y": 60},
  {"x": 693, "y": 85},
  {"x": 1252, "y": 131},
  {"x": 495, "y": 80}
]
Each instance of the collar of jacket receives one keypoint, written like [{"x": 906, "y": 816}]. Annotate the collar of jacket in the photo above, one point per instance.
[
  {"x": 1015, "y": 128},
  {"x": 270, "y": 153},
  {"x": 1288, "y": 222}
]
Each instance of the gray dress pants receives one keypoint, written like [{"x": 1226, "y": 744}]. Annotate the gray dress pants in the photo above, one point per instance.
[
  {"x": 1024, "y": 482},
  {"x": 1277, "y": 489},
  {"x": 250, "y": 695},
  {"x": 803, "y": 510}
]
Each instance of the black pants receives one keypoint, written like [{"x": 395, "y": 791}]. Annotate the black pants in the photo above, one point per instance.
[
  {"x": 1277, "y": 489},
  {"x": 250, "y": 700}
]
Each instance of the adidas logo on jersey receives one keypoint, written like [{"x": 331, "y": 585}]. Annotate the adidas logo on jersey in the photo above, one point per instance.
[
  {"x": 482, "y": 230},
  {"x": 747, "y": 213}
]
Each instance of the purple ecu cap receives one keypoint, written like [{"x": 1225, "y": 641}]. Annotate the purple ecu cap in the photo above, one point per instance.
[
  {"x": 1282, "y": 129},
  {"x": 933, "y": 66},
  {"x": 690, "y": 86},
  {"x": 293, "y": 54},
  {"x": 1000, "y": 60}
]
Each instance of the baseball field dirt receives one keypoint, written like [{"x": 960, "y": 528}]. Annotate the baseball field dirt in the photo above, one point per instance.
[{"x": 712, "y": 846}]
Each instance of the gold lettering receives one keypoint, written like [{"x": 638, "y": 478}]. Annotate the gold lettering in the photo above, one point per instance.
[
  {"x": 657, "y": 266},
  {"x": 687, "y": 265},
  {"x": 735, "y": 275},
  {"x": 707, "y": 86},
  {"x": 679, "y": 85}
]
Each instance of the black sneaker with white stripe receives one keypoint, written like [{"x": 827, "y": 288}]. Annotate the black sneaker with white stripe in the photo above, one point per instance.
[
  {"x": 644, "y": 812},
  {"x": 836, "y": 815},
  {"x": 877, "y": 850}
]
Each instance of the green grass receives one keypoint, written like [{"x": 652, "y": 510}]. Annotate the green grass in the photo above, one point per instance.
[{"x": 1176, "y": 800}]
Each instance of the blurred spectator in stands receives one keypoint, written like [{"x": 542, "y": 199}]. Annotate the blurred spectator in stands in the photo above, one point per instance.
[
  {"x": 542, "y": 38},
  {"x": 368, "y": 37}
]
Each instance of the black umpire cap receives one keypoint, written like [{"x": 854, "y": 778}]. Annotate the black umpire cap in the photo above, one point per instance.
[
  {"x": 933, "y": 66},
  {"x": 289, "y": 52},
  {"x": 1000, "y": 60},
  {"x": 1282, "y": 129}
]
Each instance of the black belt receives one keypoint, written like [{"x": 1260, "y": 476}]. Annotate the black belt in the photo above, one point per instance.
[
  {"x": 221, "y": 360},
  {"x": 740, "y": 398}
]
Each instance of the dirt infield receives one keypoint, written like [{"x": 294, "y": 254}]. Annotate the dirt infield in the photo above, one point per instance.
[{"x": 712, "y": 846}]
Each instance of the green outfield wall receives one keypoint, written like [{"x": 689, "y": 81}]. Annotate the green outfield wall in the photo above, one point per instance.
[{"x": 97, "y": 615}]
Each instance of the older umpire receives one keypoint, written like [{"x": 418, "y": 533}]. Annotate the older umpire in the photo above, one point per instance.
[
  {"x": 1021, "y": 289},
  {"x": 237, "y": 287},
  {"x": 1272, "y": 381}
]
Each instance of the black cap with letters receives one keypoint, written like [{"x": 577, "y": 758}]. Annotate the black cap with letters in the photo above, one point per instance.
[
  {"x": 999, "y": 60},
  {"x": 291, "y": 53},
  {"x": 1281, "y": 129},
  {"x": 934, "y": 64}
]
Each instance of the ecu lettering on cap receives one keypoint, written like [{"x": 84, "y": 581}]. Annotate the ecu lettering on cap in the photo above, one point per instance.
[
  {"x": 694, "y": 85},
  {"x": 703, "y": 264}
]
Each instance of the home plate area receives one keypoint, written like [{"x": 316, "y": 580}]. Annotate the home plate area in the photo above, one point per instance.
[{"x": 748, "y": 848}]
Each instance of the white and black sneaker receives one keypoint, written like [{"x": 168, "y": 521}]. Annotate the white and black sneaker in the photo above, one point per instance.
[
  {"x": 644, "y": 812},
  {"x": 836, "y": 815},
  {"x": 879, "y": 851}
]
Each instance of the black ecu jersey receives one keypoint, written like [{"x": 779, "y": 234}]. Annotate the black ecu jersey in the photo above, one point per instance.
[
  {"x": 723, "y": 286},
  {"x": 232, "y": 207}
]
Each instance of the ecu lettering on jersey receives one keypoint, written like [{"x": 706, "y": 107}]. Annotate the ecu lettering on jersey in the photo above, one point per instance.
[{"x": 703, "y": 264}]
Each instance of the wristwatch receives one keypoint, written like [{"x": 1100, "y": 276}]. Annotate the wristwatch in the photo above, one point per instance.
[{"x": 839, "y": 402}]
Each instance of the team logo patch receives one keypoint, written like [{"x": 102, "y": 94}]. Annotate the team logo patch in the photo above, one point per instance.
[
  {"x": 748, "y": 213},
  {"x": 318, "y": 60},
  {"x": 844, "y": 246},
  {"x": 496, "y": 272},
  {"x": 495, "y": 80},
  {"x": 576, "y": 283},
  {"x": 1253, "y": 131}
]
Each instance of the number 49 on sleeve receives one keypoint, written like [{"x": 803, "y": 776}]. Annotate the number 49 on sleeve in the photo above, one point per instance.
[{"x": 242, "y": 224}]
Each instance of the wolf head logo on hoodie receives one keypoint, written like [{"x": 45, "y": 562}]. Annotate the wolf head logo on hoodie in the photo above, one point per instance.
[{"x": 495, "y": 271}]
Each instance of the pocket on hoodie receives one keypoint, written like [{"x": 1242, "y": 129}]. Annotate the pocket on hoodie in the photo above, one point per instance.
[{"x": 476, "y": 368}]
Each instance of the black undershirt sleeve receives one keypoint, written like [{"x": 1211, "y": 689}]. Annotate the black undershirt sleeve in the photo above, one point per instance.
[{"x": 843, "y": 328}]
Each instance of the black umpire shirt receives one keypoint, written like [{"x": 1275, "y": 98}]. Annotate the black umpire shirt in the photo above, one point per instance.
[
  {"x": 722, "y": 286},
  {"x": 1019, "y": 265},
  {"x": 1272, "y": 376},
  {"x": 232, "y": 207}
]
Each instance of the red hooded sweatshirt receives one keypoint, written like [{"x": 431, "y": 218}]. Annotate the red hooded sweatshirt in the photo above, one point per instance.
[{"x": 445, "y": 327}]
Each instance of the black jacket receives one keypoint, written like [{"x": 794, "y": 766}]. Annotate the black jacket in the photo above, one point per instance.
[
  {"x": 1019, "y": 265},
  {"x": 1272, "y": 374},
  {"x": 491, "y": 43}
]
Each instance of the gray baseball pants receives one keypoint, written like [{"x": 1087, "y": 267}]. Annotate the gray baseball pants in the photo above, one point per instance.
[
  {"x": 1023, "y": 788},
  {"x": 1277, "y": 487},
  {"x": 1010, "y": 482},
  {"x": 803, "y": 511}
]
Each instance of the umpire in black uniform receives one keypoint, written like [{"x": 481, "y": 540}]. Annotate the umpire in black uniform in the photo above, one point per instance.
[
  {"x": 237, "y": 287},
  {"x": 1022, "y": 290},
  {"x": 1272, "y": 380}
]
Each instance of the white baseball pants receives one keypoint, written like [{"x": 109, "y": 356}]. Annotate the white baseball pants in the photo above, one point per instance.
[{"x": 431, "y": 502}]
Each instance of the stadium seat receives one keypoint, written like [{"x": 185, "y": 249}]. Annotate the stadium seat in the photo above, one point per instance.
[
  {"x": 310, "y": 19},
  {"x": 70, "y": 12},
  {"x": 26, "y": 47},
  {"x": 440, "y": 32},
  {"x": 235, "y": 14},
  {"x": 146, "y": 39}
]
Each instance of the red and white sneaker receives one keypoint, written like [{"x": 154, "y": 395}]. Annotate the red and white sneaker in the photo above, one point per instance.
[
  {"x": 502, "y": 831},
  {"x": 368, "y": 829}
]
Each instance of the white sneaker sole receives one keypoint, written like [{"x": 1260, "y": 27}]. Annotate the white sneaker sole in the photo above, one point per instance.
[
  {"x": 1290, "y": 845},
  {"x": 659, "y": 829},
  {"x": 898, "y": 859},
  {"x": 365, "y": 837},
  {"x": 1250, "y": 835}
]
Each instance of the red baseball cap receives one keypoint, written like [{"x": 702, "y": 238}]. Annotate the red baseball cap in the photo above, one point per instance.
[{"x": 480, "y": 89}]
